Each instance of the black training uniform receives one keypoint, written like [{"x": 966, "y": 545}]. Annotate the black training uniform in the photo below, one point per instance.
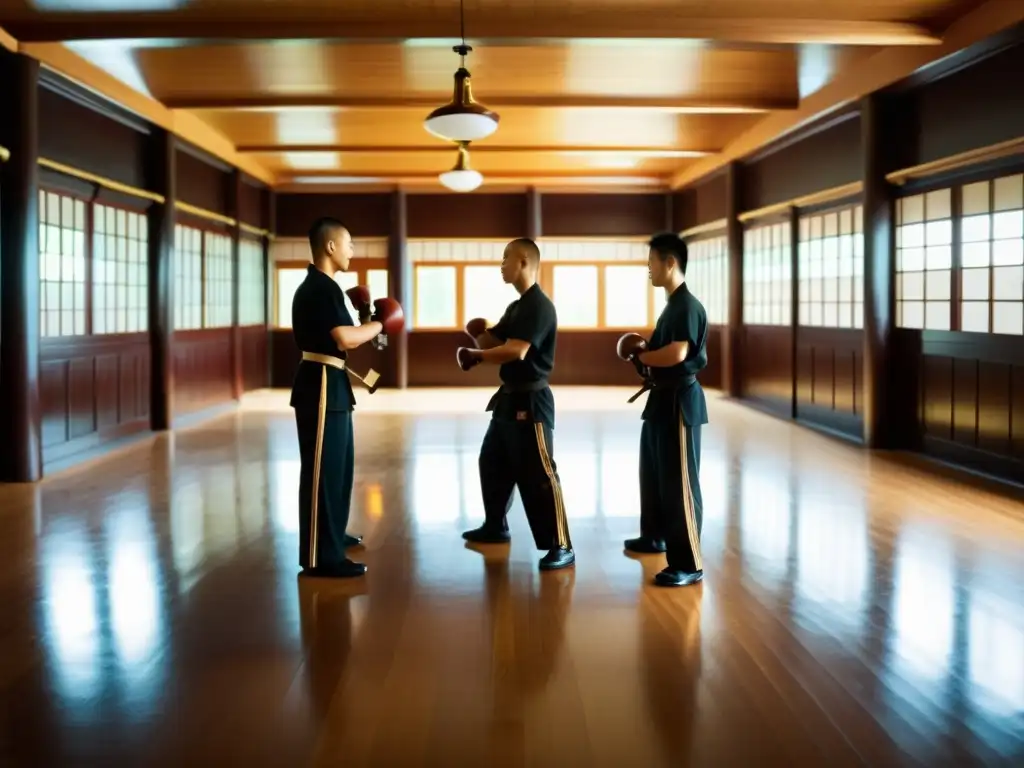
[
  {"x": 518, "y": 447},
  {"x": 671, "y": 508},
  {"x": 323, "y": 400}
]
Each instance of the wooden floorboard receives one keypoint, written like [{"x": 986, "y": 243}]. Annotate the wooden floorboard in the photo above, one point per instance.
[{"x": 857, "y": 610}]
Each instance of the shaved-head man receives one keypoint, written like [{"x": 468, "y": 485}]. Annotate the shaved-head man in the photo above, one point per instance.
[{"x": 517, "y": 449}]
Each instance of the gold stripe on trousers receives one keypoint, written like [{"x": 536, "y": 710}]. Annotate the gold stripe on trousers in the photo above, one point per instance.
[
  {"x": 314, "y": 517},
  {"x": 561, "y": 523},
  {"x": 688, "y": 501}
]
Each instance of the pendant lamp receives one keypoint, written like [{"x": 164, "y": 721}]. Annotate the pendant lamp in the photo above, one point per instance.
[
  {"x": 462, "y": 119},
  {"x": 461, "y": 178}
]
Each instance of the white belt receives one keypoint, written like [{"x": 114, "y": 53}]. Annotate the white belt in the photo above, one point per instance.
[{"x": 333, "y": 362}]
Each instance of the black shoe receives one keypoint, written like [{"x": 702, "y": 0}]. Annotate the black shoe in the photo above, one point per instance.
[
  {"x": 485, "y": 535},
  {"x": 558, "y": 557},
  {"x": 346, "y": 569},
  {"x": 644, "y": 545},
  {"x": 352, "y": 541},
  {"x": 673, "y": 577}
]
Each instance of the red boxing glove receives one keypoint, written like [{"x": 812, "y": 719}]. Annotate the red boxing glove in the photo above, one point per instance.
[
  {"x": 360, "y": 298},
  {"x": 465, "y": 358},
  {"x": 630, "y": 345},
  {"x": 476, "y": 327},
  {"x": 388, "y": 313}
]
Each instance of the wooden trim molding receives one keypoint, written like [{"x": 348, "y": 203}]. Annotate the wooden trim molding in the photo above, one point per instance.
[
  {"x": 8, "y": 42},
  {"x": 102, "y": 181},
  {"x": 816, "y": 198},
  {"x": 703, "y": 229},
  {"x": 5, "y": 154},
  {"x": 202, "y": 213},
  {"x": 251, "y": 230},
  {"x": 956, "y": 162}
]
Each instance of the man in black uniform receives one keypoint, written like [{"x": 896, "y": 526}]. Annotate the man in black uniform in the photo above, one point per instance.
[
  {"x": 671, "y": 509},
  {"x": 517, "y": 449},
  {"x": 323, "y": 400}
]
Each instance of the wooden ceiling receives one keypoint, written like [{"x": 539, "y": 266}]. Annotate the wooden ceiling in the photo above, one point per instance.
[{"x": 591, "y": 93}]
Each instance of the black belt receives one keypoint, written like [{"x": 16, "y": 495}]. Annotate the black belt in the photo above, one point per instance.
[
  {"x": 529, "y": 386},
  {"x": 674, "y": 383}
]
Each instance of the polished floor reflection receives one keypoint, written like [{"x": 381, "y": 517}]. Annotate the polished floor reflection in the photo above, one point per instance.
[{"x": 856, "y": 610}]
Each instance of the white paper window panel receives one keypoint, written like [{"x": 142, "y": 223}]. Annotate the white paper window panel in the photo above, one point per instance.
[
  {"x": 446, "y": 251},
  {"x": 593, "y": 250},
  {"x": 297, "y": 249}
]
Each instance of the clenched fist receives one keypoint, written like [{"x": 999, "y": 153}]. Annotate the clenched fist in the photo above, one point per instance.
[
  {"x": 360, "y": 298},
  {"x": 476, "y": 327}
]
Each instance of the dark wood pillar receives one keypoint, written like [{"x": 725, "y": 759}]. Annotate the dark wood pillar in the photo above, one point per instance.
[
  {"x": 234, "y": 211},
  {"x": 400, "y": 287},
  {"x": 20, "y": 430},
  {"x": 794, "y": 307},
  {"x": 161, "y": 179},
  {"x": 732, "y": 348},
  {"x": 879, "y": 289},
  {"x": 269, "y": 224},
  {"x": 534, "y": 221}
]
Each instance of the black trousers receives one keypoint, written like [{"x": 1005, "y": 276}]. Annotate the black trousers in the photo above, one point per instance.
[
  {"x": 671, "y": 507},
  {"x": 519, "y": 453},
  {"x": 325, "y": 484}
]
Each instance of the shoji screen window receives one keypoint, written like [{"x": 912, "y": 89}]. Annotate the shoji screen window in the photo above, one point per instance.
[
  {"x": 188, "y": 278},
  {"x": 924, "y": 260},
  {"x": 767, "y": 275},
  {"x": 120, "y": 302},
  {"x": 992, "y": 256},
  {"x": 707, "y": 275},
  {"x": 598, "y": 283},
  {"x": 456, "y": 280},
  {"x": 218, "y": 282},
  {"x": 252, "y": 307},
  {"x": 831, "y": 269},
  {"x": 62, "y": 261}
]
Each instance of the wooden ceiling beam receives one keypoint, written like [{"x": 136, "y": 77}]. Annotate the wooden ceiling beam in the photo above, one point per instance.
[
  {"x": 879, "y": 71},
  {"x": 476, "y": 149},
  {"x": 273, "y": 103},
  {"x": 282, "y": 22}
]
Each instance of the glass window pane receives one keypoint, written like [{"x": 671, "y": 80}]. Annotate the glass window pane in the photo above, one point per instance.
[
  {"x": 974, "y": 316},
  {"x": 485, "y": 293},
  {"x": 974, "y": 284},
  {"x": 377, "y": 282},
  {"x": 975, "y": 254},
  {"x": 288, "y": 281},
  {"x": 1008, "y": 283},
  {"x": 937, "y": 286},
  {"x": 1008, "y": 317},
  {"x": 575, "y": 295},
  {"x": 435, "y": 297},
  {"x": 936, "y": 315},
  {"x": 626, "y": 291},
  {"x": 1008, "y": 252}
]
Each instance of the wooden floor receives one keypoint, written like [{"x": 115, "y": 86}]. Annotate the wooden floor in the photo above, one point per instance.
[{"x": 855, "y": 611}]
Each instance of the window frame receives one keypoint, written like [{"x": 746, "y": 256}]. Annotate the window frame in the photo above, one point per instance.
[
  {"x": 784, "y": 219},
  {"x": 88, "y": 232},
  {"x": 719, "y": 234},
  {"x": 361, "y": 266}
]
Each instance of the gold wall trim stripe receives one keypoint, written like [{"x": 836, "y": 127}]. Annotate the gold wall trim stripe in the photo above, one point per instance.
[
  {"x": 102, "y": 181},
  {"x": 956, "y": 162},
  {"x": 701, "y": 229},
  {"x": 825, "y": 196},
  {"x": 5, "y": 154},
  {"x": 202, "y": 213},
  {"x": 250, "y": 229}
]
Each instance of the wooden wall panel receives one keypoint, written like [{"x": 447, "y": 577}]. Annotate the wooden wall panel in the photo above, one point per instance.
[
  {"x": 467, "y": 216},
  {"x": 251, "y": 204},
  {"x": 767, "y": 367},
  {"x": 702, "y": 203},
  {"x": 824, "y": 159},
  {"x": 609, "y": 215},
  {"x": 365, "y": 215},
  {"x": 971, "y": 400},
  {"x": 201, "y": 183},
  {"x": 202, "y": 369},
  {"x": 255, "y": 345},
  {"x": 73, "y": 134},
  {"x": 93, "y": 390},
  {"x": 969, "y": 109},
  {"x": 829, "y": 378}
]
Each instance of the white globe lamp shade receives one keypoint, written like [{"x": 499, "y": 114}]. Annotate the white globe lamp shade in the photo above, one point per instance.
[
  {"x": 461, "y": 178},
  {"x": 461, "y": 181},
  {"x": 462, "y": 119}
]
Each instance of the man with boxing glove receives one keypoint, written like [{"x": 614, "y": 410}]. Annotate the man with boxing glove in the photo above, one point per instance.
[
  {"x": 363, "y": 305},
  {"x": 323, "y": 401},
  {"x": 671, "y": 508},
  {"x": 517, "y": 449}
]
